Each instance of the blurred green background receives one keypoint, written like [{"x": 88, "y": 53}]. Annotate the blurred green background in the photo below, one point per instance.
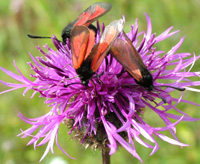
[{"x": 20, "y": 17}]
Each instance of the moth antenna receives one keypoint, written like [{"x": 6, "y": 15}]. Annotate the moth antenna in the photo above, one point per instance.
[
  {"x": 41, "y": 37},
  {"x": 177, "y": 88},
  {"x": 38, "y": 37}
]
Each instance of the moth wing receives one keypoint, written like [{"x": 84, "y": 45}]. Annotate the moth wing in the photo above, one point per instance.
[
  {"x": 92, "y": 13},
  {"x": 86, "y": 18},
  {"x": 109, "y": 35},
  {"x": 81, "y": 41},
  {"x": 126, "y": 54}
]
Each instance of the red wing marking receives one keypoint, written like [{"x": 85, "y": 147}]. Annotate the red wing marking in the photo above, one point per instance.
[
  {"x": 81, "y": 42},
  {"x": 109, "y": 35}
]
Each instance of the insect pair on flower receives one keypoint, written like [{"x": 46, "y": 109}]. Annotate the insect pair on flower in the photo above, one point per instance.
[{"x": 88, "y": 56}]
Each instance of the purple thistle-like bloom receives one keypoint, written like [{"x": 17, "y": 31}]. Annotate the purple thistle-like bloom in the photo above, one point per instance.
[{"x": 110, "y": 111}]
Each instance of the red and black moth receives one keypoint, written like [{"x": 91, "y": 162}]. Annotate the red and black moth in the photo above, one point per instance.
[
  {"x": 127, "y": 55},
  {"x": 88, "y": 16},
  {"x": 88, "y": 56}
]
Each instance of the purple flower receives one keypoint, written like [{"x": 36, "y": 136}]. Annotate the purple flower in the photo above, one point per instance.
[{"x": 108, "y": 111}]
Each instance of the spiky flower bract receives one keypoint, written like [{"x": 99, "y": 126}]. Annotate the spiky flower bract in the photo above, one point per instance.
[{"x": 109, "y": 112}]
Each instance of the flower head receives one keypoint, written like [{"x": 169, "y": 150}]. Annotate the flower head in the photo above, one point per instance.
[{"x": 109, "y": 111}]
